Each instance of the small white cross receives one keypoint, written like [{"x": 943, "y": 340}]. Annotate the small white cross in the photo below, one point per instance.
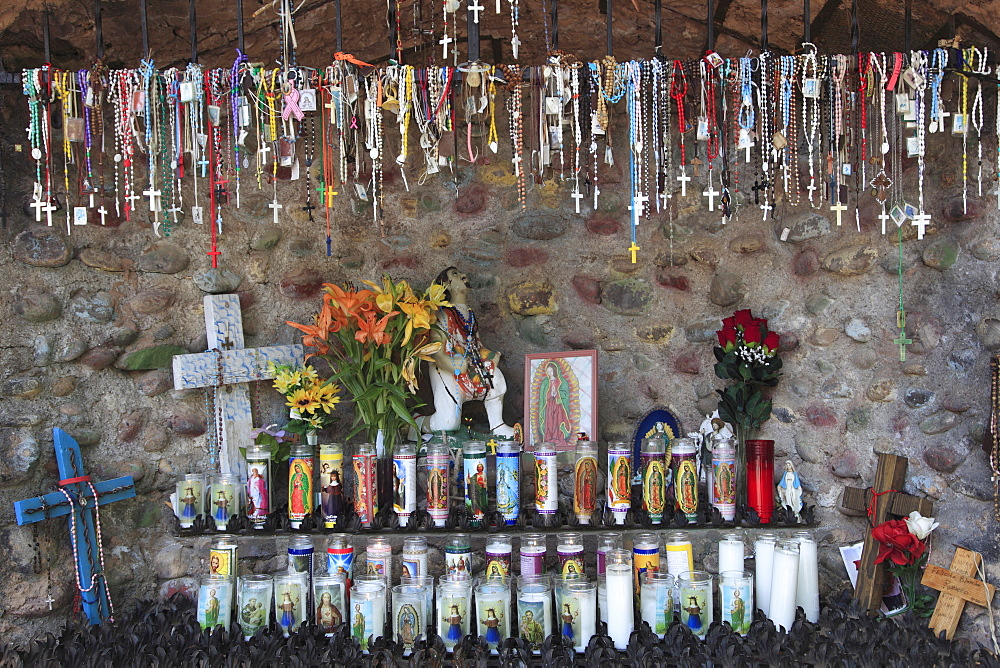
[
  {"x": 175, "y": 210},
  {"x": 711, "y": 194},
  {"x": 101, "y": 210},
  {"x": 498, "y": 6},
  {"x": 475, "y": 9},
  {"x": 444, "y": 42},
  {"x": 639, "y": 207},
  {"x": 920, "y": 221},
  {"x": 39, "y": 206},
  {"x": 684, "y": 178},
  {"x": 517, "y": 164},
  {"x": 597, "y": 191},
  {"x": 884, "y": 216},
  {"x": 811, "y": 187},
  {"x": 766, "y": 208},
  {"x": 839, "y": 209},
  {"x": 154, "y": 199},
  {"x": 48, "y": 209},
  {"x": 577, "y": 196},
  {"x": 514, "y": 44},
  {"x": 48, "y": 599},
  {"x": 274, "y": 206},
  {"x": 942, "y": 115},
  {"x": 131, "y": 201}
]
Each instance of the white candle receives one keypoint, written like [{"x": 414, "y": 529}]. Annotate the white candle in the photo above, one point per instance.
[
  {"x": 763, "y": 550},
  {"x": 619, "y": 595},
  {"x": 657, "y": 601},
  {"x": 807, "y": 585},
  {"x": 784, "y": 576},
  {"x": 730, "y": 553},
  {"x": 602, "y": 596},
  {"x": 680, "y": 555}
]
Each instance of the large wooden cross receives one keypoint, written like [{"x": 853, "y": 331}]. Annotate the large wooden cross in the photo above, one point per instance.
[
  {"x": 228, "y": 366},
  {"x": 884, "y": 499},
  {"x": 957, "y": 585},
  {"x": 79, "y": 498}
]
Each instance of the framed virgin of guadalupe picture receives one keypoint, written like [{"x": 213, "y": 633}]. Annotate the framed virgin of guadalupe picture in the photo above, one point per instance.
[{"x": 560, "y": 398}]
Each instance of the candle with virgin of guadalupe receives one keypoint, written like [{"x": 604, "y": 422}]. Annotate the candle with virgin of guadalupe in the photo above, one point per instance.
[
  {"x": 438, "y": 461},
  {"x": 508, "y": 481},
  {"x": 300, "y": 483},
  {"x": 498, "y": 550},
  {"x": 654, "y": 478},
  {"x": 723, "y": 486},
  {"x": 404, "y": 473},
  {"x": 546, "y": 491},
  {"x": 365, "y": 484},
  {"x": 619, "y": 480},
  {"x": 585, "y": 481},
  {"x": 476, "y": 499},
  {"x": 331, "y": 482},
  {"x": 683, "y": 461}
]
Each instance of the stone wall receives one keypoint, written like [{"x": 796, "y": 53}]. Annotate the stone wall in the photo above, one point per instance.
[{"x": 93, "y": 317}]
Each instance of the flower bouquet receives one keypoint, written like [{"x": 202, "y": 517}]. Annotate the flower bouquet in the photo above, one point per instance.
[
  {"x": 373, "y": 339},
  {"x": 904, "y": 545},
  {"x": 747, "y": 354}
]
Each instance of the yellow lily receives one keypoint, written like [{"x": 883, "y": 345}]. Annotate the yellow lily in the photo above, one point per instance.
[
  {"x": 285, "y": 381},
  {"x": 418, "y": 318},
  {"x": 409, "y": 369},
  {"x": 434, "y": 297},
  {"x": 385, "y": 295}
]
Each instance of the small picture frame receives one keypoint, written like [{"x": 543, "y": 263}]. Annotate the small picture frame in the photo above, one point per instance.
[
  {"x": 714, "y": 59},
  {"x": 898, "y": 215},
  {"x": 79, "y": 215},
  {"x": 307, "y": 99},
  {"x": 187, "y": 91},
  {"x": 847, "y": 169},
  {"x": 903, "y": 103},
  {"x": 214, "y": 114},
  {"x": 810, "y": 88},
  {"x": 560, "y": 398},
  {"x": 137, "y": 104},
  {"x": 702, "y": 129},
  {"x": 959, "y": 125},
  {"x": 553, "y": 104},
  {"x": 910, "y": 210},
  {"x": 912, "y": 147}
]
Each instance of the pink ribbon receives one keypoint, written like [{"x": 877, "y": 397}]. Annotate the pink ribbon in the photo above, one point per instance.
[{"x": 292, "y": 105}]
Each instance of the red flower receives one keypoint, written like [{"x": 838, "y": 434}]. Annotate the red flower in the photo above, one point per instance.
[
  {"x": 727, "y": 338},
  {"x": 771, "y": 341},
  {"x": 744, "y": 318},
  {"x": 751, "y": 334},
  {"x": 729, "y": 323},
  {"x": 897, "y": 544}
]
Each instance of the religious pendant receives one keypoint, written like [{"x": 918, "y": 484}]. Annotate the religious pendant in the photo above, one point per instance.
[{"x": 958, "y": 124}]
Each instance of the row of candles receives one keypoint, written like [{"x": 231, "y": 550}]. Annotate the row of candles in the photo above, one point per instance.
[
  {"x": 660, "y": 473},
  {"x": 656, "y": 582}
]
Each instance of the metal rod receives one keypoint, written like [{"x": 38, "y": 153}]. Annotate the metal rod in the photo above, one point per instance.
[
  {"x": 340, "y": 25},
  {"x": 239, "y": 27},
  {"x": 193, "y": 19},
  {"x": 98, "y": 30},
  {"x": 144, "y": 21},
  {"x": 855, "y": 28},
  {"x": 472, "y": 29},
  {"x": 806, "y": 22},
  {"x": 393, "y": 47},
  {"x": 555, "y": 24},
  {"x": 45, "y": 34},
  {"x": 907, "y": 25},
  {"x": 710, "y": 44},
  {"x": 763, "y": 26},
  {"x": 611, "y": 50}
]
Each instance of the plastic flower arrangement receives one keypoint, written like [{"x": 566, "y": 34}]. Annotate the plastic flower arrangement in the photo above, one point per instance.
[
  {"x": 311, "y": 399},
  {"x": 748, "y": 355},
  {"x": 904, "y": 546}
]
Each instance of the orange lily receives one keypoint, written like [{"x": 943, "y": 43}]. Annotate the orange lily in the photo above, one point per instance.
[
  {"x": 351, "y": 302},
  {"x": 314, "y": 336},
  {"x": 370, "y": 329}
]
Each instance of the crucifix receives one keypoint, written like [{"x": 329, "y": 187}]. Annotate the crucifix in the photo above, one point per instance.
[
  {"x": 684, "y": 178},
  {"x": 475, "y": 8},
  {"x": 902, "y": 341},
  {"x": 327, "y": 192},
  {"x": 766, "y": 207},
  {"x": 880, "y": 186},
  {"x": 878, "y": 502},
  {"x": 633, "y": 249},
  {"x": 711, "y": 194},
  {"x": 131, "y": 201},
  {"x": 515, "y": 44},
  {"x": 48, "y": 209},
  {"x": 227, "y": 366},
  {"x": 920, "y": 221},
  {"x": 39, "y": 205},
  {"x": 577, "y": 195},
  {"x": 638, "y": 207},
  {"x": 275, "y": 206},
  {"x": 444, "y": 42},
  {"x": 839, "y": 208},
  {"x": 884, "y": 217},
  {"x": 79, "y": 498},
  {"x": 104, "y": 212},
  {"x": 958, "y": 585},
  {"x": 154, "y": 199}
]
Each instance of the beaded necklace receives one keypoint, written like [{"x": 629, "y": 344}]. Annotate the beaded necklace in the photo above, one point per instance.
[{"x": 678, "y": 90}]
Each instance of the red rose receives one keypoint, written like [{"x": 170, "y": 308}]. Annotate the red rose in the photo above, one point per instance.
[
  {"x": 751, "y": 334},
  {"x": 729, "y": 323},
  {"x": 727, "y": 338},
  {"x": 897, "y": 544},
  {"x": 771, "y": 341},
  {"x": 743, "y": 318}
]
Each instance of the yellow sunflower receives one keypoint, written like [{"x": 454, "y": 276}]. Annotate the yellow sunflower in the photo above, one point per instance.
[
  {"x": 327, "y": 396},
  {"x": 304, "y": 401}
]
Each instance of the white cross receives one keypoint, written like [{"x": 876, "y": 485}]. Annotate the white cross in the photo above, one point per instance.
[
  {"x": 840, "y": 209},
  {"x": 237, "y": 366},
  {"x": 514, "y": 44},
  {"x": 766, "y": 208},
  {"x": 517, "y": 164},
  {"x": 444, "y": 42},
  {"x": 48, "y": 209},
  {"x": 101, "y": 210},
  {"x": 475, "y": 9},
  {"x": 38, "y": 205},
  {"x": 920, "y": 221},
  {"x": 942, "y": 115},
  {"x": 175, "y": 210},
  {"x": 498, "y": 6},
  {"x": 639, "y": 207},
  {"x": 884, "y": 216},
  {"x": 597, "y": 191},
  {"x": 577, "y": 196},
  {"x": 711, "y": 194},
  {"x": 811, "y": 187},
  {"x": 50, "y": 600},
  {"x": 684, "y": 178},
  {"x": 154, "y": 199},
  {"x": 274, "y": 206},
  {"x": 261, "y": 154},
  {"x": 131, "y": 201}
]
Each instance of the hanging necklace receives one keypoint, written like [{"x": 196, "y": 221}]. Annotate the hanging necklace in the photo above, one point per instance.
[
  {"x": 919, "y": 63},
  {"x": 810, "y": 115},
  {"x": 678, "y": 90}
]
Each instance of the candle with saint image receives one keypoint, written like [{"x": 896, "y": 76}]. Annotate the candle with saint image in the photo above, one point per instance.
[
  {"x": 340, "y": 556},
  {"x": 534, "y": 609},
  {"x": 454, "y": 608},
  {"x": 546, "y": 489},
  {"x": 414, "y": 557},
  {"x": 532, "y": 554},
  {"x": 300, "y": 484},
  {"x": 258, "y": 485},
  {"x": 585, "y": 481},
  {"x": 367, "y": 618},
  {"x": 508, "y": 481},
  {"x": 619, "y": 480},
  {"x": 576, "y": 610},
  {"x": 807, "y": 584},
  {"x": 731, "y": 553},
  {"x": 654, "y": 478},
  {"x": 224, "y": 499},
  {"x": 329, "y": 596},
  {"x": 493, "y": 610},
  {"x": 763, "y": 557},
  {"x": 736, "y": 596},
  {"x": 696, "y": 601},
  {"x": 458, "y": 557},
  {"x": 784, "y": 579},
  {"x": 365, "y": 484},
  {"x": 657, "y": 600},
  {"x": 404, "y": 481},
  {"x": 683, "y": 456},
  {"x": 253, "y": 606},
  {"x": 438, "y": 461},
  {"x": 189, "y": 501},
  {"x": 723, "y": 480},
  {"x": 300, "y": 560},
  {"x": 645, "y": 556},
  {"x": 379, "y": 558},
  {"x": 607, "y": 541},
  {"x": 476, "y": 500},
  {"x": 621, "y": 611},
  {"x": 331, "y": 482},
  {"x": 409, "y": 622},
  {"x": 498, "y": 551},
  {"x": 569, "y": 547}
]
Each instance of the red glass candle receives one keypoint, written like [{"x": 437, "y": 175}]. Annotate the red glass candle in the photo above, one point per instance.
[{"x": 760, "y": 478}]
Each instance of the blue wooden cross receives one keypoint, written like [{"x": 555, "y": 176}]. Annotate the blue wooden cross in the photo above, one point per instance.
[{"x": 80, "y": 508}]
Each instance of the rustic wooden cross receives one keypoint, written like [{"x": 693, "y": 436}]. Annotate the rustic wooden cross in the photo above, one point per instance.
[
  {"x": 880, "y": 501},
  {"x": 79, "y": 498},
  {"x": 958, "y": 586},
  {"x": 228, "y": 366}
]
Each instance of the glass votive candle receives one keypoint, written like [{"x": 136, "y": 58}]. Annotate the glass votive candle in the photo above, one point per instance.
[
  {"x": 254, "y": 603},
  {"x": 532, "y": 554},
  {"x": 301, "y": 555},
  {"x": 367, "y": 611},
  {"x": 534, "y": 610},
  {"x": 190, "y": 501},
  {"x": 654, "y": 477},
  {"x": 602, "y": 596},
  {"x": 657, "y": 600},
  {"x": 365, "y": 483},
  {"x": 493, "y": 610},
  {"x": 330, "y": 596},
  {"x": 569, "y": 547},
  {"x": 438, "y": 464},
  {"x": 427, "y": 582},
  {"x": 301, "y": 497},
  {"x": 409, "y": 610},
  {"x": 645, "y": 556},
  {"x": 607, "y": 541},
  {"x": 458, "y": 556},
  {"x": 498, "y": 551},
  {"x": 224, "y": 499},
  {"x": 546, "y": 485},
  {"x": 215, "y": 596},
  {"x": 258, "y": 488},
  {"x": 736, "y": 599},
  {"x": 476, "y": 494},
  {"x": 619, "y": 486},
  {"x": 291, "y": 591},
  {"x": 414, "y": 557},
  {"x": 784, "y": 582},
  {"x": 576, "y": 610},
  {"x": 680, "y": 554},
  {"x": 683, "y": 460},
  {"x": 807, "y": 585},
  {"x": 696, "y": 601},
  {"x": 620, "y": 604},
  {"x": 340, "y": 556},
  {"x": 763, "y": 557},
  {"x": 404, "y": 492},
  {"x": 731, "y": 553},
  {"x": 331, "y": 482},
  {"x": 508, "y": 482},
  {"x": 453, "y": 598},
  {"x": 379, "y": 558}
]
